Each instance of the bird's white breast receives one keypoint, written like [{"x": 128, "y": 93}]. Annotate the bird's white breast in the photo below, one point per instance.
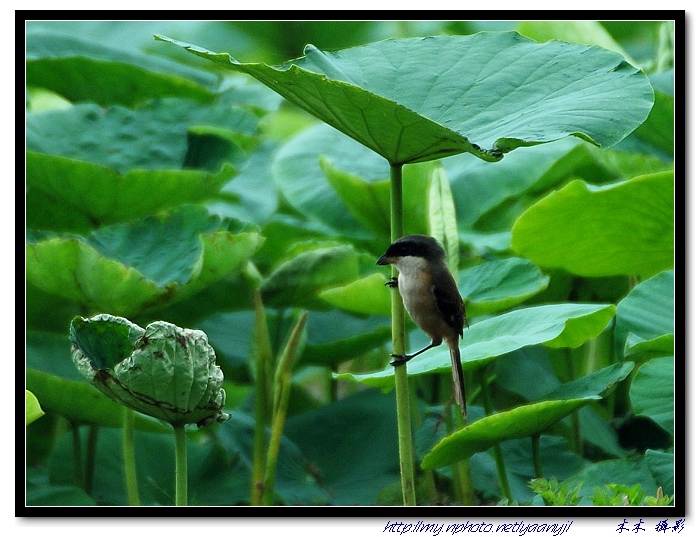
[{"x": 414, "y": 284}]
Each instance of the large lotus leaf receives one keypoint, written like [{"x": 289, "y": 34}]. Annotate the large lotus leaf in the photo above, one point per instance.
[
  {"x": 68, "y": 194},
  {"x": 47, "y": 311},
  {"x": 82, "y": 70},
  {"x": 335, "y": 336},
  {"x": 282, "y": 232},
  {"x": 127, "y": 268},
  {"x": 33, "y": 409},
  {"x": 297, "y": 281},
  {"x": 154, "y": 137},
  {"x": 52, "y": 374},
  {"x": 491, "y": 196},
  {"x": 645, "y": 317},
  {"x": 656, "y": 134},
  {"x": 558, "y": 461},
  {"x": 332, "y": 336},
  {"x": 298, "y": 174},
  {"x": 252, "y": 197},
  {"x": 296, "y": 481},
  {"x": 652, "y": 391},
  {"x": 58, "y": 496},
  {"x": 361, "y": 423},
  {"x": 664, "y": 81},
  {"x": 169, "y": 372},
  {"x": 50, "y": 352},
  {"x": 40, "y": 492},
  {"x": 223, "y": 253},
  {"x": 597, "y": 383},
  {"x": 500, "y": 284},
  {"x": 418, "y": 99},
  {"x": 347, "y": 184},
  {"x": 642, "y": 349},
  {"x": 230, "y": 293},
  {"x": 514, "y": 373},
  {"x": 74, "y": 270},
  {"x": 556, "y": 325},
  {"x": 622, "y": 471},
  {"x": 490, "y": 287},
  {"x": 583, "y": 32},
  {"x": 478, "y": 187},
  {"x": 80, "y": 402},
  {"x": 63, "y": 390},
  {"x": 219, "y": 468},
  {"x": 366, "y": 296},
  {"x": 622, "y": 229},
  {"x": 658, "y": 130},
  {"x": 148, "y": 245},
  {"x": 520, "y": 422},
  {"x": 662, "y": 467},
  {"x": 619, "y": 163},
  {"x": 501, "y": 217},
  {"x": 369, "y": 201}
]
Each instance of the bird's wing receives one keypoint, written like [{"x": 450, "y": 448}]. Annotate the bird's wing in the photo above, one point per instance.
[{"x": 451, "y": 306}]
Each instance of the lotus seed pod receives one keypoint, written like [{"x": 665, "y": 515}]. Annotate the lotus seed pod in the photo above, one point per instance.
[{"x": 164, "y": 371}]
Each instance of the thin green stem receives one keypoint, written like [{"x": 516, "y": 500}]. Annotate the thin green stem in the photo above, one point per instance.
[
  {"x": 263, "y": 406},
  {"x": 500, "y": 463},
  {"x": 283, "y": 385},
  {"x": 429, "y": 486},
  {"x": 575, "y": 424},
  {"x": 90, "y": 456},
  {"x": 405, "y": 439},
  {"x": 273, "y": 451},
  {"x": 132, "y": 488},
  {"x": 457, "y": 491},
  {"x": 180, "y": 464},
  {"x": 467, "y": 492},
  {"x": 398, "y": 337},
  {"x": 537, "y": 456},
  {"x": 77, "y": 455},
  {"x": 461, "y": 469}
]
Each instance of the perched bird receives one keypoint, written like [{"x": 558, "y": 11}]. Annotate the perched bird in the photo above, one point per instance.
[{"x": 431, "y": 298}]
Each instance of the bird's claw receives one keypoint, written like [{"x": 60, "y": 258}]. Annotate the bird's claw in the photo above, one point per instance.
[
  {"x": 400, "y": 359},
  {"x": 393, "y": 282}
]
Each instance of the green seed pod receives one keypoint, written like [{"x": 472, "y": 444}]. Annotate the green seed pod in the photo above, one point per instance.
[{"x": 164, "y": 371}]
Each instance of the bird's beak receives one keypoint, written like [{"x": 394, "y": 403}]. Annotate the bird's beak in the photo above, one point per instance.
[{"x": 384, "y": 260}]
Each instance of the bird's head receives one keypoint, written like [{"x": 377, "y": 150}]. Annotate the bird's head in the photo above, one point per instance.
[{"x": 416, "y": 246}]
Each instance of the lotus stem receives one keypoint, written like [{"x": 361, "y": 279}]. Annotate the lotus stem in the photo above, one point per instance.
[
  {"x": 132, "y": 489},
  {"x": 77, "y": 455},
  {"x": 90, "y": 456},
  {"x": 500, "y": 463},
  {"x": 180, "y": 464},
  {"x": 575, "y": 424},
  {"x": 283, "y": 384},
  {"x": 398, "y": 337},
  {"x": 263, "y": 364},
  {"x": 537, "y": 456}
]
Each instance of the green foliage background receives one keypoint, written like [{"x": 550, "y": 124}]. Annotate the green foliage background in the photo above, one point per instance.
[{"x": 160, "y": 186}]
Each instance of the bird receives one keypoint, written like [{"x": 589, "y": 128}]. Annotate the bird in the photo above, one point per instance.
[{"x": 431, "y": 298}]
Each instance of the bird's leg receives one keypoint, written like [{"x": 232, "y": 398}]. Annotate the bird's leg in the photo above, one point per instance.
[{"x": 403, "y": 358}]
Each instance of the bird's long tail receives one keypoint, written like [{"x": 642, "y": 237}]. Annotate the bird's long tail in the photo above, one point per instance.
[{"x": 458, "y": 379}]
